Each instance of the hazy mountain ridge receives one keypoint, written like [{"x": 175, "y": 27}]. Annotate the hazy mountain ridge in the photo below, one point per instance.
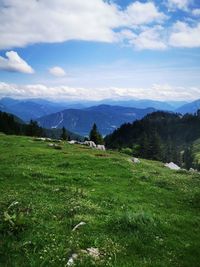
[
  {"x": 190, "y": 107},
  {"x": 107, "y": 118}
]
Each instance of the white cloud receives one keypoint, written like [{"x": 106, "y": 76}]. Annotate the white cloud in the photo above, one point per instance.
[
  {"x": 150, "y": 38},
  {"x": 179, "y": 4},
  {"x": 139, "y": 13},
  {"x": 196, "y": 12},
  {"x": 183, "y": 35},
  {"x": 28, "y": 22},
  {"x": 14, "y": 63},
  {"x": 57, "y": 71},
  {"x": 156, "y": 91}
]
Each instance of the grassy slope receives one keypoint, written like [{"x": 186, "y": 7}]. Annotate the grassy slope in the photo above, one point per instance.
[{"x": 136, "y": 214}]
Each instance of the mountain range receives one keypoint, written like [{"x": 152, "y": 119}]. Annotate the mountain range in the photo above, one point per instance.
[
  {"x": 107, "y": 118},
  {"x": 79, "y": 116}
]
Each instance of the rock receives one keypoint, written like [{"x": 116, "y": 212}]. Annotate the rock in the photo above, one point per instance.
[
  {"x": 72, "y": 142},
  {"x": 51, "y": 145},
  {"x": 172, "y": 166},
  {"x": 48, "y": 139},
  {"x": 90, "y": 144},
  {"x": 135, "y": 160},
  {"x": 55, "y": 146},
  {"x": 40, "y": 139},
  {"x": 78, "y": 225},
  {"x": 71, "y": 260},
  {"x": 101, "y": 147},
  {"x": 93, "y": 252}
]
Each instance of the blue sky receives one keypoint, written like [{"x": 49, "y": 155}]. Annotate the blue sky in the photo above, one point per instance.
[{"x": 78, "y": 50}]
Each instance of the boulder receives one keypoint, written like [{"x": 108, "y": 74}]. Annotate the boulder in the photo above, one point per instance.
[
  {"x": 135, "y": 160},
  {"x": 72, "y": 142},
  {"x": 90, "y": 144},
  {"x": 55, "y": 146},
  {"x": 101, "y": 147},
  {"x": 172, "y": 166}
]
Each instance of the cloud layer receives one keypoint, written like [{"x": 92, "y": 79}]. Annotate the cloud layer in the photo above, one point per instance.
[
  {"x": 14, "y": 63},
  {"x": 156, "y": 91},
  {"x": 28, "y": 22}
]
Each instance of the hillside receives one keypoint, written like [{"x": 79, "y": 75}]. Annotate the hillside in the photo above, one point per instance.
[
  {"x": 29, "y": 108},
  {"x": 189, "y": 107},
  {"x": 107, "y": 118},
  {"x": 136, "y": 215},
  {"x": 159, "y": 135},
  {"x": 11, "y": 124}
]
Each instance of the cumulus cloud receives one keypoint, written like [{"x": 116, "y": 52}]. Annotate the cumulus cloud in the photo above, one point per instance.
[
  {"x": 149, "y": 38},
  {"x": 27, "y": 22},
  {"x": 184, "y": 35},
  {"x": 57, "y": 71},
  {"x": 156, "y": 91},
  {"x": 139, "y": 13},
  {"x": 14, "y": 63},
  {"x": 179, "y": 4}
]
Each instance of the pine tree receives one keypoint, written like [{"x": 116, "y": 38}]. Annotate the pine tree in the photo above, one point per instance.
[
  {"x": 33, "y": 129},
  {"x": 95, "y": 136},
  {"x": 188, "y": 158},
  {"x": 64, "y": 134},
  {"x": 155, "y": 147},
  {"x": 143, "y": 146}
]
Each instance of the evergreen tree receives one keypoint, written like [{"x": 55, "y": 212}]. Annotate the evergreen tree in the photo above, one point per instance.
[
  {"x": 64, "y": 134},
  {"x": 143, "y": 146},
  {"x": 33, "y": 129},
  {"x": 188, "y": 158},
  {"x": 155, "y": 147},
  {"x": 95, "y": 136}
]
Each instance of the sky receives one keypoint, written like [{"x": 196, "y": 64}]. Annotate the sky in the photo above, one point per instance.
[{"x": 94, "y": 50}]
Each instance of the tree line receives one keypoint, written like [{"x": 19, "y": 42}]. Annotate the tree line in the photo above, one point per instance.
[{"x": 159, "y": 136}]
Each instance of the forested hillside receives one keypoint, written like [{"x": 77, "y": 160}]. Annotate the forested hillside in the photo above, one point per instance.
[
  {"x": 10, "y": 124},
  {"x": 159, "y": 136}
]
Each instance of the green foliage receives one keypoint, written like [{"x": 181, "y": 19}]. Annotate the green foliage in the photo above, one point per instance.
[
  {"x": 64, "y": 134},
  {"x": 127, "y": 151},
  {"x": 95, "y": 136},
  {"x": 160, "y": 136},
  {"x": 32, "y": 129}
]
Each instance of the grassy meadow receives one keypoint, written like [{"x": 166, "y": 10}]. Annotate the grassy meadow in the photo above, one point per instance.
[{"x": 137, "y": 215}]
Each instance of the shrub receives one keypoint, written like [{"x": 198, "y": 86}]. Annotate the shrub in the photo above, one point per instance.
[{"x": 127, "y": 151}]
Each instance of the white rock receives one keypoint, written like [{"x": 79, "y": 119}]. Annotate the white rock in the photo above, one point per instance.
[
  {"x": 72, "y": 142},
  {"x": 90, "y": 144},
  {"x": 93, "y": 252},
  {"x": 78, "y": 225},
  {"x": 135, "y": 160},
  {"x": 51, "y": 145},
  {"x": 101, "y": 147},
  {"x": 71, "y": 260},
  {"x": 172, "y": 166}
]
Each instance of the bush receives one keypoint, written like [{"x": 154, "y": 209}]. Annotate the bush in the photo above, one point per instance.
[{"x": 127, "y": 151}]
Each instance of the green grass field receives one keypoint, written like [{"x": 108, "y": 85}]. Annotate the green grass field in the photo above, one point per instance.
[{"x": 137, "y": 215}]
